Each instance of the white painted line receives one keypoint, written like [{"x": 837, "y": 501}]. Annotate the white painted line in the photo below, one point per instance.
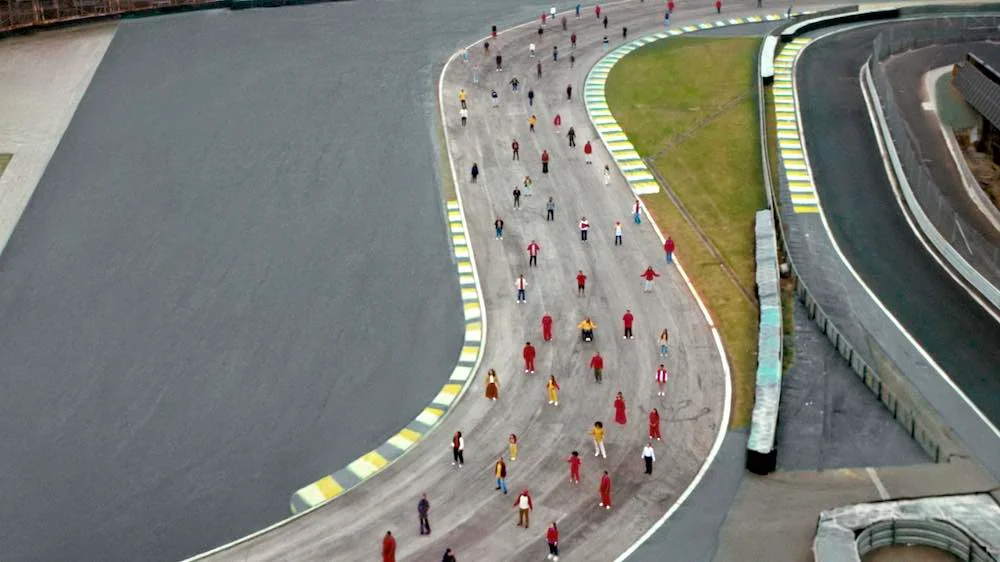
[{"x": 882, "y": 492}]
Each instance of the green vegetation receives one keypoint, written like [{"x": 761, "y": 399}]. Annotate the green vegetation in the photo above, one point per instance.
[
  {"x": 4, "y": 160},
  {"x": 687, "y": 104}
]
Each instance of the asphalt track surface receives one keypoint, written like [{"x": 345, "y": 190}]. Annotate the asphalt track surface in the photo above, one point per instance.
[{"x": 870, "y": 229}]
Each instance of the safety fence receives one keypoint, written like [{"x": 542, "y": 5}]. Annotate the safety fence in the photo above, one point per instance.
[
  {"x": 976, "y": 257},
  {"x": 22, "y": 14}
]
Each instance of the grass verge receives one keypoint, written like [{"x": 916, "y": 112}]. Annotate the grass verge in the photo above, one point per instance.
[
  {"x": 4, "y": 160},
  {"x": 687, "y": 105}
]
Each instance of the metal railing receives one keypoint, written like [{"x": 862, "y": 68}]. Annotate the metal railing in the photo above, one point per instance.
[
  {"x": 980, "y": 253},
  {"x": 23, "y": 14}
]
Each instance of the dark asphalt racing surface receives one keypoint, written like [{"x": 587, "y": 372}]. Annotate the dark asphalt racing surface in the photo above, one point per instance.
[
  {"x": 870, "y": 229},
  {"x": 233, "y": 278}
]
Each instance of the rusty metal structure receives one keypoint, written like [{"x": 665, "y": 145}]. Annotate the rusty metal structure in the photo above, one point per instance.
[{"x": 24, "y": 14}]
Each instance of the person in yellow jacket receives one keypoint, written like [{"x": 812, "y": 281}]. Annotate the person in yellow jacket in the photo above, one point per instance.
[
  {"x": 512, "y": 442},
  {"x": 587, "y": 329},
  {"x": 532, "y": 121},
  {"x": 598, "y": 434},
  {"x": 553, "y": 388},
  {"x": 461, "y": 98}
]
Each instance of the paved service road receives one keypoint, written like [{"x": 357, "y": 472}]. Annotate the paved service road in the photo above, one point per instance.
[
  {"x": 467, "y": 513},
  {"x": 871, "y": 230}
]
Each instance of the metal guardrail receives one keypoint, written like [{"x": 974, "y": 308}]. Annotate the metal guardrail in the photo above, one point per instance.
[
  {"x": 24, "y": 14},
  {"x": 926, "y": 532},
  {"x": 972, "y": 255}
]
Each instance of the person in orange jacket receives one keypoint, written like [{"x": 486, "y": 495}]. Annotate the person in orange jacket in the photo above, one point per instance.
[
  {"x": 605, "y": 490},
  {"x": 529, "y": 358},
  {"x": 388, "y": 547}
]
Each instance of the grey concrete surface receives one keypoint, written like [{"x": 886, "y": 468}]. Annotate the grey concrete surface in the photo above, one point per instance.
[
  {"x": 871, "y": 231},
  {"x": 905, "y": 72},
  {"x": 828, "y": 418},
  {"x": 467, "y": 513}
]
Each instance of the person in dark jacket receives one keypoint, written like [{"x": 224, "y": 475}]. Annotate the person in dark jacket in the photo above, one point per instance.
[
  {"x": 449, "y": 556},
  {"x": 475, "y": 172},
  {"x": 423, "y": 509}
]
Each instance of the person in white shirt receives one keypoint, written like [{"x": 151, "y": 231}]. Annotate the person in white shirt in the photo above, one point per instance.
[
  {"x": 464, "y": 114},
  {"x": 607, "y": 175},
  {"x": 531, "y": 50},
  {"x": 584, "y": 227},
  {"x": 649, "y": 457},
  {"x": 521, "y": 285},
  {"x": 618, "y": 233}
]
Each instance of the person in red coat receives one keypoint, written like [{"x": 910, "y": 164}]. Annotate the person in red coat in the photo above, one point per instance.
[
  {"x": 654, "y": 425},
  {"x": 597, "y": 363},
  {"x": 649, "y": 275},
  {"x": 581, "y": 284},
  {"x": 529, "y": 358},
  {"x": 668, "y": 249},
  {"x": 670, "y": 6},
  {"x": 718, "y": 6},
  {"x": 557, "y": 122},
  {"x": 552, "y": 537},
  {"x": 620, "y": 416},
  {"x": 605, "y": 491},
  {"x": 533, "y": 248},
  {"x": 515, "y": 147},
  {"x": 547, "y": 327},
  {"x": 574, "y": 461},
  {"x": 388, "y": 547},
  {"x": 588, "y": 149},
  {"x": 627, "y": 320},
  {"x": 545, "y": 161}
]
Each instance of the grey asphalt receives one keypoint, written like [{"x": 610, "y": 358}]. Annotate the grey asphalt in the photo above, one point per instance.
[
  {"x": 871, "y": 231},
  {"x": 906, "y": 72}
]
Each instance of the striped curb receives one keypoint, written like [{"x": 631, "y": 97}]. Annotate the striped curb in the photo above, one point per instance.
[
  {"x": 329, "y": 487},
  {"x": 628, "y": 160},
  {"x": 791, "y": 156}
]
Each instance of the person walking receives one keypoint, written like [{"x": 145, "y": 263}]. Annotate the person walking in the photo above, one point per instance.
[
  {"x": 388, "y": 547},
  {"x": 605, "y": 490},
  {"x": 538, "y": 69},
  {"x": 620, "y": 417},
  {"x": 465, "y": 56},
  {"x": 461, "y": 98},
  {"x": 572, "y": 136},
  {"x": 581, "y": 284},
  {"x": 618, "y": 233},
  {"x": 475, "y": 73},
  {"x": 493, "y": 32},
  {"x": 494, "y": 99},
  {"x": 486, "y": 47},
  {"x": 607, "y": 175},
  {"x": 597, "y": 432},
  {"x": 666, "y": 19},
  {"x": 464, "y": 115},
  {"x": 515, "y": 147},
  {"x": 578, "y": 10},
  {"x": 654, "y": 425},
  {"x": 529, "y": 358},
  {"x": 574, "y": 461},
  {"x": 531, "y": 50},
  {"x": 587, "y": 150},
  {"x": 557, "y": 122},
  {"x": 552, "y": 538},
  {"x": 649, "y": 275},
  {"x": 663, "y": 340},
  {"x": 533, "y": 248},
  {"x": 550, "y": 210},
  {"x": 572, "y": 60},
  {"x": 597, "y": 363},
  {"x": 499, "y": 60},
  {"x": 552, "y": 13},
  {"x": 637, "y": 211},
  {"x": 521, "y": 285},
  {"x": 514, "y": 83},
  {"x": 604, "y": 43},
  {"x": 531, "y": 101},
  {"x": 670, "y": 6},
  {"x": 572, "y": 41},
  {"x": 624, "y": 33},
  {"x": 565, "y": 23},
  {"x": 668, "y": 249},
  {"x": 569, "y": 93},
  {"x": 545, "y": 16},
  {"x": 524, "y": 506},
  {"x": 553, "y": 389},
  {"x": 718, "y": 6},
  {"x": 498, "y": 226},
  {"x": 492, "y": 385},
  {"x": 527, "y": 186},
  {"x": 512, "y": 445},
  {"x": 517, "y": 197},
  {"x": 500, "y": 471},
  {"x": 605, "y": 22},
  {"x": 584, "y": 228},
  {"x": 532, "y": 121},
  {"x": 597, "y": 11},
  {"x": 661, "y": 380},
  {"x": 458, "y": 449},
  {"x": 545, "y": 161},
  {"x": 475, "y": 171},
  {"x": 547, "y": 327},
  {"x": 449, "y": 555},
  {"x": 648, "y": 457},
  {"x": 423, "y": 509},
  {"x": 555, "y": 53},
  {"x": 627, "y": 320}
]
